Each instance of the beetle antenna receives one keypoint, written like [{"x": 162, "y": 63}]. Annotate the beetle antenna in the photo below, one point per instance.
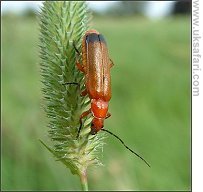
[{"x": 125, "y": 145}]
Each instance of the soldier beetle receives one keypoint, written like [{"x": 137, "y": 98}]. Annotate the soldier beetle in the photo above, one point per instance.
[{"x": 96, "y": 66}]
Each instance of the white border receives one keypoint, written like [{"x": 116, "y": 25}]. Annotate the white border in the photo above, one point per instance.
[{"x": 197, "y": 118}]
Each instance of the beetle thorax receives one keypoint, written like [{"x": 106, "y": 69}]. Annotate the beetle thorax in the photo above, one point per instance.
[{"x": 99, "y": 108}]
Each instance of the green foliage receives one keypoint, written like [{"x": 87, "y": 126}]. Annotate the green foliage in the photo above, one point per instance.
[
  {"x": 126, "y": 8},
  {"x": 63, "y": 23}
]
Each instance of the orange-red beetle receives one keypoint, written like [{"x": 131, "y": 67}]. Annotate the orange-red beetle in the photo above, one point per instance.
[{"x": 96, "y": 66}]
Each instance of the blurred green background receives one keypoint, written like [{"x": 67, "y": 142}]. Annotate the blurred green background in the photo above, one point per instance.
[{"x": 150, "y": 108}]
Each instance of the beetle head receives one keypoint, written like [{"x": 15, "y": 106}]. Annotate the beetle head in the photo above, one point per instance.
[{"x": 97, "y": 124}]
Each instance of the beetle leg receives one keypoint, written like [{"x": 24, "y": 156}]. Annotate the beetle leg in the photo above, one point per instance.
[
  {"x": 111, "y": 63},
  {"x": 84, "y": 114},
  {"x": 76, "y": 48},
  {"x": 83, "y": 93},
  {"x": 108, "y": 115},
  {"x": 71, "y": 83},
  {"x": 79, "y": 66}
]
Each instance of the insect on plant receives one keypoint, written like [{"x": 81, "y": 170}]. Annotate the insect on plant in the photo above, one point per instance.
[{"x": 96, "y": 66}]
